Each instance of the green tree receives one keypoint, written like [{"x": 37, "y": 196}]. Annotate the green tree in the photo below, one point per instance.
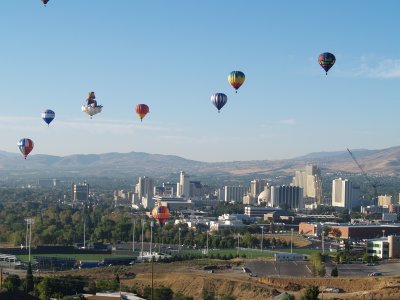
[
  {"x": 180, "y": 296},
  {"x": 335, "y": 272},
  {"x": 288, "y": 297},
  {"x": 12, "y": 283},
  {"x": 29, "y": 279},
  {"x": 311, "y": 293},
  {"x": 92, "y": 287}
]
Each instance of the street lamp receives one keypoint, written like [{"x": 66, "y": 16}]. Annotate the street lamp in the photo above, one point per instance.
[
  {"x": 142, "y": 238},
  {"x": 238, "y": 245},
  {"x": 262, "y": 237},
  {"x": 207, "y": 242},
  {"x": 291, "y": 241},
  {"x": 151, "y": 236},
  {"x": 179, "y": 240},
  {"x": 29, "y": 221},
  {"x": 133, "y": 236}
]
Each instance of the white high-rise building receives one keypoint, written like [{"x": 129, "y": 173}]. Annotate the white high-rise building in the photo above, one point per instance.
[
  {"x": 145, "y": 187},
  {"x": 234, "y": 193},
  {"x": 342, "y": 190},
  {"x": 183, "y": 186}
]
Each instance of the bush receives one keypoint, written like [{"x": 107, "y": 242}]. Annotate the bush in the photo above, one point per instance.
[
  {"x": 311, "y": 293},
  {"x": 335, "y": 272}
]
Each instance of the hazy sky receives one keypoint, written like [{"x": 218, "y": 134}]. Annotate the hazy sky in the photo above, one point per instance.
[{"x": 173, "y": 55}]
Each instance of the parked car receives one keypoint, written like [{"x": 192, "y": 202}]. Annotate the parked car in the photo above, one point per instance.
[{"x": 375, "y": 274}]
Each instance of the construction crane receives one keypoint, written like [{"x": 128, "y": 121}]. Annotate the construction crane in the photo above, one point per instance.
[{"x": 373, "y": 184}]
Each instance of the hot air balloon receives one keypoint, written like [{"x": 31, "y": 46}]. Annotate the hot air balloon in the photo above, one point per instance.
[
  {"x": 25, "y": 146},
  {"x": 219, "y": 100},
  {"x": 161, "y": 214},
  {"x": 236, "y": 79},
  {"x": 45, "y": 2},
  {"x": 91, "y": 107},
  {"x": 326, "y": 60},
  {"x": 142, "y": 110},
  {"x": 48, "y": 116}
]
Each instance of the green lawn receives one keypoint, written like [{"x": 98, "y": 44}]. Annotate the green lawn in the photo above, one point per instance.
[{"x": 267, "y": 253}]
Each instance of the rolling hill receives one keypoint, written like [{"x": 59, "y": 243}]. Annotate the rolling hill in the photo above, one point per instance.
[{"x": 382, "y": 162}]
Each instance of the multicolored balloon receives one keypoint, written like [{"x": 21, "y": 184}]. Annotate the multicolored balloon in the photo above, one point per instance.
[
  {"x": 219, "y": 100},
  {"x": 142, "y": 110},
  {"x": 236, "y": 79},
  {"x": 48, "y": 116},
  {"x": 25, "y": 145},
  {"x": 326, "y": 61},
  {"x": 161, "y": 214}
]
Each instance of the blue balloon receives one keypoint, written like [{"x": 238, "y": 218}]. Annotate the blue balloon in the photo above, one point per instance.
[
  {"x": 219, "y": 100},
  {"x": 48, "y": 116}
]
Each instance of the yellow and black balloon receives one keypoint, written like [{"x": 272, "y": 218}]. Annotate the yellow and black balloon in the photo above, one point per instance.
[{"x": 236, "y": 79}]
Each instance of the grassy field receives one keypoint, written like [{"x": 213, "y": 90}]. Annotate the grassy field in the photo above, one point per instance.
[{"x": 249, "y": 253}]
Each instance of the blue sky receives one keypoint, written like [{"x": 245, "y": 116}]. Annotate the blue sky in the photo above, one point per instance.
[{"x": 173, "y": 55}]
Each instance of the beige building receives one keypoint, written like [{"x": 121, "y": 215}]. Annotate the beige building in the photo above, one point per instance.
[
  {"x": 385, "y": 200},
  {"x": 311, "y": 182}
]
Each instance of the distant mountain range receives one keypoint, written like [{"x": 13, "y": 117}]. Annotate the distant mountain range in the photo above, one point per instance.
[{"x": 382, "y": 162}]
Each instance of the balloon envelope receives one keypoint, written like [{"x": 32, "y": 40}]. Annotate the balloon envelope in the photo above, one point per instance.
[
  {"x": 25, "y": 145},
  {"x": 142, "y": 110},
  {"x": 45, "y": 2},
  {"x": 236, "y": 79},
  {"x": 326, "y": 61},
  {"x": 219, "y": 100},
  {"x": 161, "y": 213},
  {"x": 48, "y": 116}
]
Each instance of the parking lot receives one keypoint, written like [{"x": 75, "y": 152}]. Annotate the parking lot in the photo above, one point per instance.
[
  {"x": 303, "y": 268},
  {"x": 280, "y": 268}
]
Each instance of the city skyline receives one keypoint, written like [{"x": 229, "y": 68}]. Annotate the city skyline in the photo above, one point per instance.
[{"x": 174, "y": 56}]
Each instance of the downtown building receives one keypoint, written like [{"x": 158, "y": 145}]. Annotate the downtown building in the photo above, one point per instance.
[
  {"x": 310, "y": 180},
  {"x": 287, "y": 195},
  {"x": 80, "y": 193},
  {"x": 344, "y": 194}
]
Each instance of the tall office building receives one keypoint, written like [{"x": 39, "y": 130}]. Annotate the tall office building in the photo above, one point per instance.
[
  {"x": 234, "y": 193},
  {"x": 291, "y": 196},
  {"x": 183, "y": 186},
  {"x": 80, "y": 192},
  {"x": 342, "y": 190},
  {"x": 145, "y": 187},
  {"x": 311, "y": 182}
]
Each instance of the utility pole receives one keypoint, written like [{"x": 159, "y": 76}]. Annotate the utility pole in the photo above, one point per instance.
[
  {"x": 262, "y": 237},
  {"x": 133, "y": 236},
  {"x": 29, "y": 221},
  {"x": 84, "y": 234},
  {"x": 207, "y": 243},
  {"x": 151, "y": 236},
  {"x": 291, "y": 241},
  {"x": 179, "y": 240},
  {"x": 142, "y": 238}
]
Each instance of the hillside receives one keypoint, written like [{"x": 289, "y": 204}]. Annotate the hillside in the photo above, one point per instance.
[{"x": 382, "y": 162}]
